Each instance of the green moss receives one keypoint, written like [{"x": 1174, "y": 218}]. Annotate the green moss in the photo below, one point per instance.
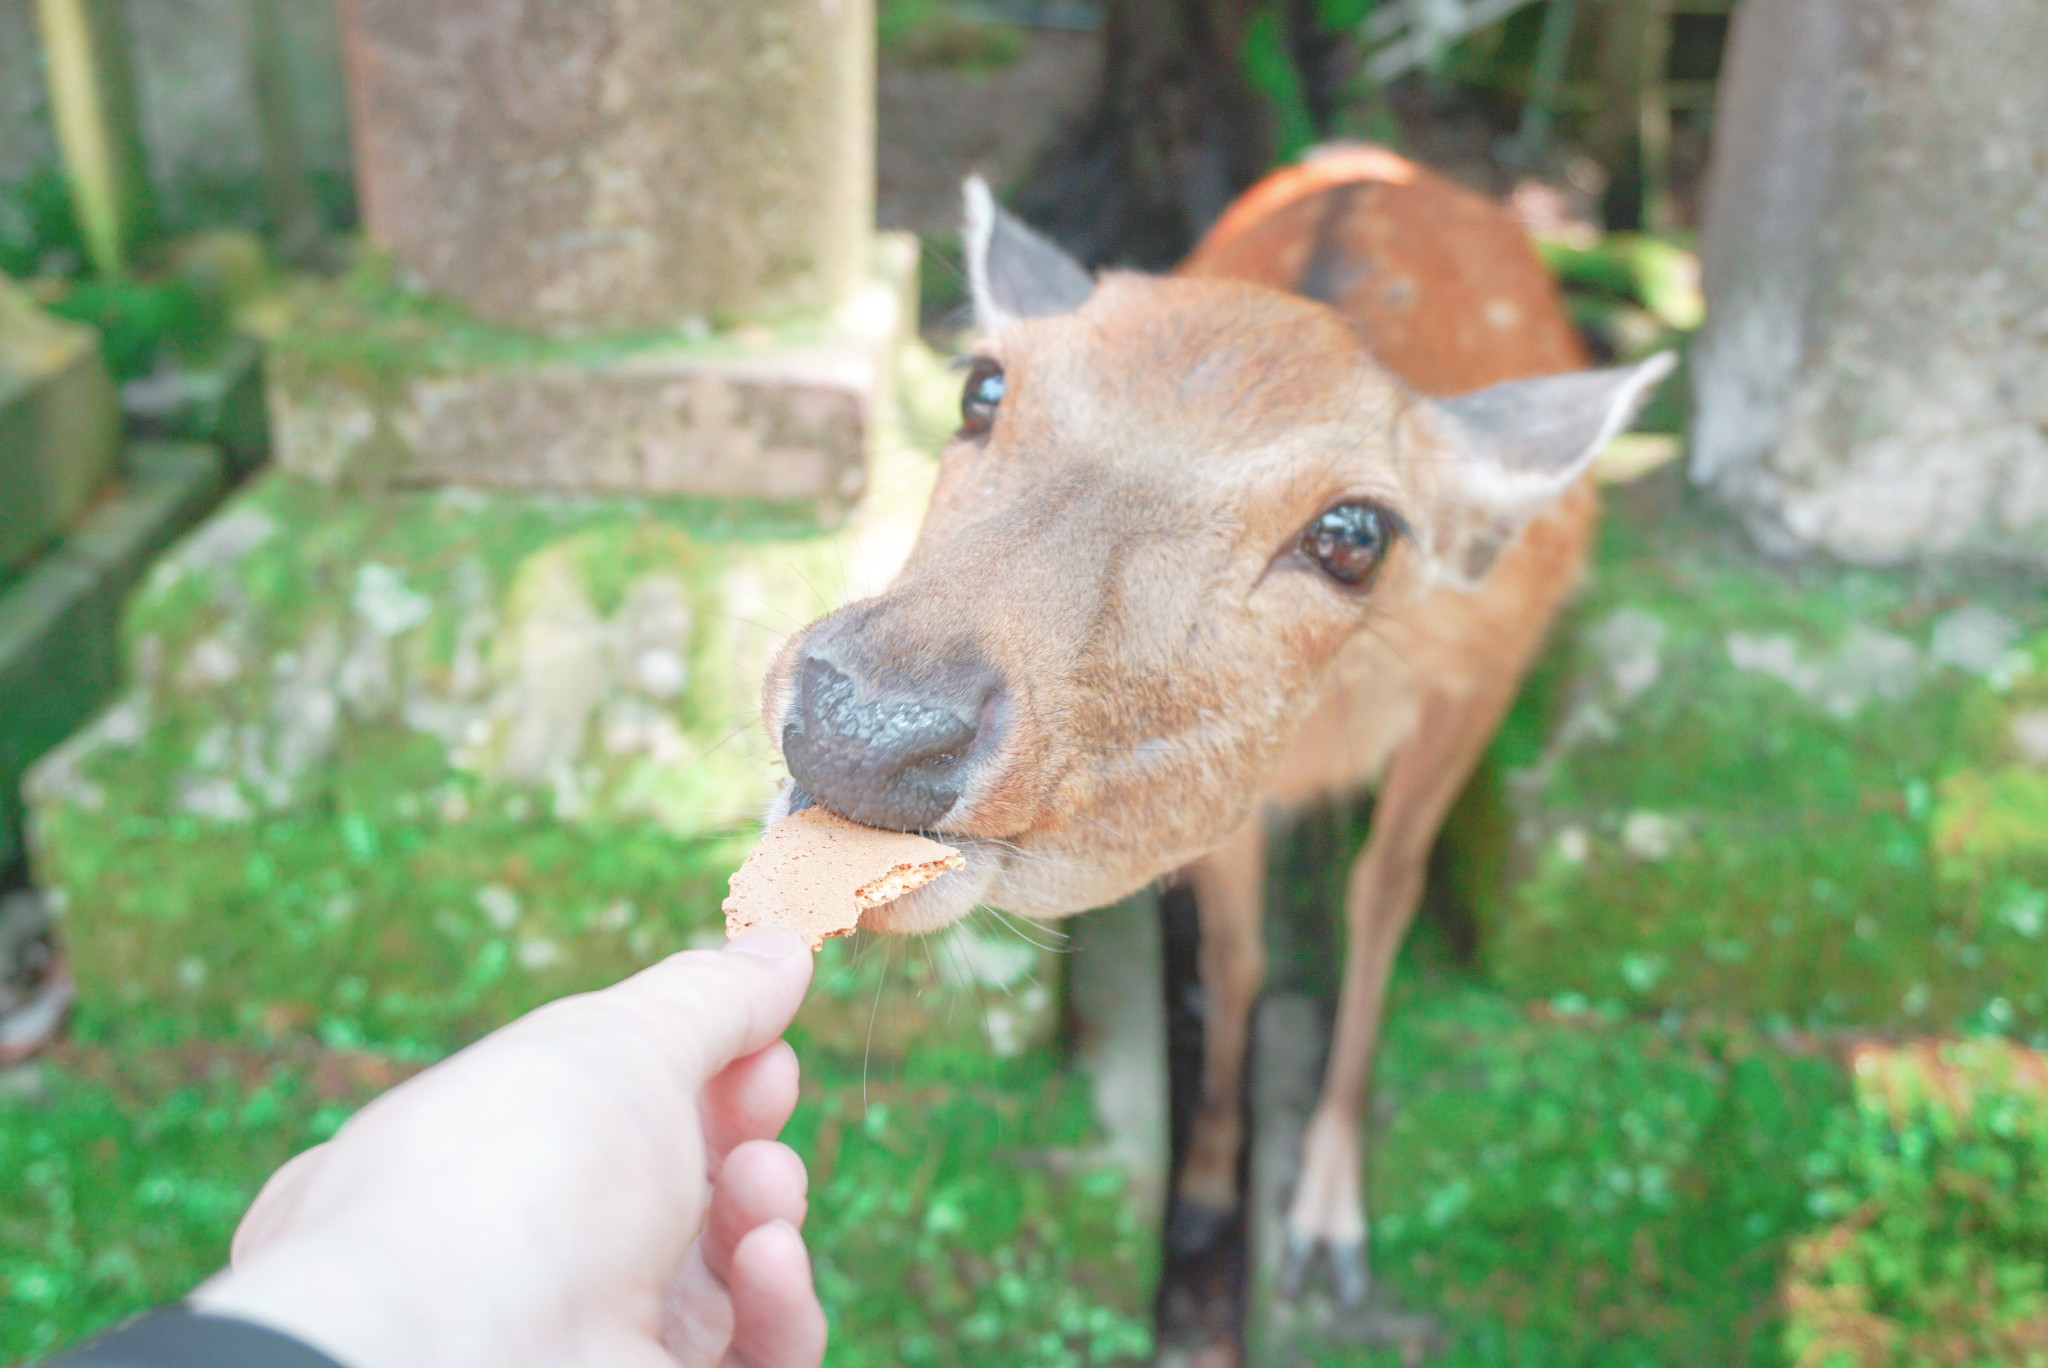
[
  {"x": 923, "y": 34},
  {"x": 370, "y": 323},
  {"x": 975, "y": 991},
  {"x": 1991, "y": 818},
  {"x": 1572, "y": 1189},
  {"x": 956, "y": 1220},
  {"x": 362, "y": 929},
  {"x": 122, "y": 1176},
  {"x": 1937, "y": 1185},
  {"x": 1733, "y": 785},
  {"x": 351, "y": 790},
  {"x": 956, "y": 1212}
]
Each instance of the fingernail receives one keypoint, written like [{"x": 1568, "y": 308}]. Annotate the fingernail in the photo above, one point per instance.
[{"x": 767, "y": 942}]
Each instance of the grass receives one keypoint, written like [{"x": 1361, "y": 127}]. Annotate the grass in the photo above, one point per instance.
[
  {"x": 1559, "y": 1189},
  {"x": 956, "y": 1212}
]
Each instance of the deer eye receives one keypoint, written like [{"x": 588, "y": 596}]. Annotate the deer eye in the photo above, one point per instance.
[
  {"x": 978, "y": 401},
  {"x": 1349, "y": 541}
]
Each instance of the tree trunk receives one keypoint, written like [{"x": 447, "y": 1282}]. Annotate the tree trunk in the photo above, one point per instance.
[{"x": 1179, "y": 128}]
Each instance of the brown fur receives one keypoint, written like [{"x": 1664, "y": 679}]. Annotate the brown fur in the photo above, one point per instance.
[{"x": 1120, "y": 547}]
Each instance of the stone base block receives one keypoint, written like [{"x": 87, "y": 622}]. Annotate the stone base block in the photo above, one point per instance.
[
  {"x": 60, "y": 425},
  {"x": 375, "y": 388},
  {"x": 1816, "y": 795},
  {"x": 59, "y": 656}
]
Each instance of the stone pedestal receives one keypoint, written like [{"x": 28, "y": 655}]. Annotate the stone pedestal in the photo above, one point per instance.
[
  {"x": 60, "y": 425},
  {"x": 1873, "y": 377},
  {"x": 614, "y": 165},
  {"x": 372, "y": 387}
]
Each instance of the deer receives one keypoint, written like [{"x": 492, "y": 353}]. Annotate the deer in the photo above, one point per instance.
[{"x": 1288, "y": 523}]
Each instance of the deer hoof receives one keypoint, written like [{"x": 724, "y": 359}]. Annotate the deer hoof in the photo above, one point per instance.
[{"x": 1350, "y": 1274}]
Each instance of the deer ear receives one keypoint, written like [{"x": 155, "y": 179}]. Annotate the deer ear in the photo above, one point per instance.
[
  {"x": 1514, "y": 447},
  {"x": 1014, "y": 271}
]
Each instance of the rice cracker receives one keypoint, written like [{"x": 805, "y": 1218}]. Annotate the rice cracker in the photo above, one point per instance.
[{"x": 815, "y": 872}]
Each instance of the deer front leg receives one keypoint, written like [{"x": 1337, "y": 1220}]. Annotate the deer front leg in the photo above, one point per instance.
[
  {"x": 1328, "y": 1207},
  {"x": 1228, "y": 885}
]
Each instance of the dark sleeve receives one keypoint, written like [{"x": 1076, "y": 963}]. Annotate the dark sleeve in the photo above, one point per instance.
[{"x": 180, "y": 1338}]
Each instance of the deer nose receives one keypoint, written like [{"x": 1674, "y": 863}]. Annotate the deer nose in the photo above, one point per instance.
[{"x": 889, "y": 761}]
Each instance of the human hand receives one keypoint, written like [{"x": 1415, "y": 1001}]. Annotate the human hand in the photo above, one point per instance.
[{"x": 594, "y": 1184}]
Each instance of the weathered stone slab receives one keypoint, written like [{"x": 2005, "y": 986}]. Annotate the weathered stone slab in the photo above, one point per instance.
[
  {"x": 395, "y": 767},
  {"x": 1290, "y": 1038},
  {"x": 615, "y": 165},
  {"x": 58, "y": 640},
  {"x": 60, "y": 424},
  {"x": 1814, "y": 795},
  {"x": 1118, "y": 1002},
  {"x": 377, "y": 389},
  {"x": 1873, "y": 376}
]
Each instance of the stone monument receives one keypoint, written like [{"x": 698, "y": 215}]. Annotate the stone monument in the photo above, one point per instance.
[
  {"x": 1872, "y": 381},
  {"x": 646, "y": 233}
]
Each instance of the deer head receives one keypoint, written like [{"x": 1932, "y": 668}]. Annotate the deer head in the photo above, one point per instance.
[{"x": 1171, "y": 504}]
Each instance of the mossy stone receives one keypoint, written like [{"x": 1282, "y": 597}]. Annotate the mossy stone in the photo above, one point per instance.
[
  {"x": 392, "y": 768},
  {"x": 1788, "y": 792}
]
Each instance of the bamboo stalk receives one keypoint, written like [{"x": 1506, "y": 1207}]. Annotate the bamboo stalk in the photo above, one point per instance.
[{"x": 90, "y": 73}]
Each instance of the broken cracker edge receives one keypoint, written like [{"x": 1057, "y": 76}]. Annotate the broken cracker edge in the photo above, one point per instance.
[{"x": 765, "y": 894}]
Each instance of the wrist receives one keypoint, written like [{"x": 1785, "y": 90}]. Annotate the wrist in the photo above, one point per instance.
[{"x": 325, "y": 1299}]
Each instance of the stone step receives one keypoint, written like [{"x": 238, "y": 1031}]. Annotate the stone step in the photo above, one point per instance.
[
  {"x": 59, "y": 651},
  {"x": 372, "y": 387}
]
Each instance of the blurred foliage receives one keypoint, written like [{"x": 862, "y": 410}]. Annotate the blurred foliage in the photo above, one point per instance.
[
  {"x": 1658, "y": 274},
  {"x": 1937, "y": 1185},
  {"x": 924, "y": 34},
  {"x": 138, "y": 319},
  {"x": 38, "y": 231},
  {"x": 1273, "y": 69}
]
